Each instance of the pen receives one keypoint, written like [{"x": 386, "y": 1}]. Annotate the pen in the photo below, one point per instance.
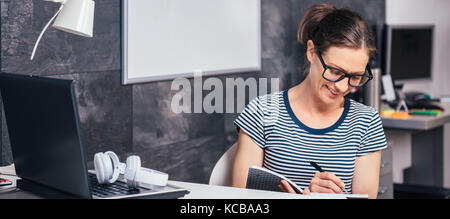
[{"x": 318, "y": 168}]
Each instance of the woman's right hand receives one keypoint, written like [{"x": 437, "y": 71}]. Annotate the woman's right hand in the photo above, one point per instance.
[
  {"x": 322, "y": 182},
  {"x": 325, "y": 182}
]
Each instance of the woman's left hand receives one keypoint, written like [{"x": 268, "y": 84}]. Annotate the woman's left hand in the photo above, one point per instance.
[{"x": 285, "y": 187}]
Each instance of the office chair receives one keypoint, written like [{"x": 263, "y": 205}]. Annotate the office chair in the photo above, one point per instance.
[{"x": 221, "y": 174}]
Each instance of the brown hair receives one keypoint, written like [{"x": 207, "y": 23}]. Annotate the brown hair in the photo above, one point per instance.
[{"x": 328, "y": 26}]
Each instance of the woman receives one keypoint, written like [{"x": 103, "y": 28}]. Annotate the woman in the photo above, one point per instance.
[{"x": 313, "y": 121}]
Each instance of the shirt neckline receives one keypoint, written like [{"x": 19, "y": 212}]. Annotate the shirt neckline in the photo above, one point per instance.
[{"x": 313, "y": 130}]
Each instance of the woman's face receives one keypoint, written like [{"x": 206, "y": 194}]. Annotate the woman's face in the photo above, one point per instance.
[{"x": 347, "y": 59}]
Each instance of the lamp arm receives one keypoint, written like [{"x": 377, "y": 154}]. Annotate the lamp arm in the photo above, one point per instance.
[
  {"x": 43, "y": 31},
  {"x": 57, "y": 1}
]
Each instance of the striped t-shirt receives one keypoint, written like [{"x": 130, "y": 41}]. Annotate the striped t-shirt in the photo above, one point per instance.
[{"x": 289, "y": 145}]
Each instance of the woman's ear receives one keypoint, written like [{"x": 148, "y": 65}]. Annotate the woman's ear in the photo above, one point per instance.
[{"x": 310, "y": 50}]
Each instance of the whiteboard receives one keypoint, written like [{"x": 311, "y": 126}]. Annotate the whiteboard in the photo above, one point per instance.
[{"x": 166, "y": 39}]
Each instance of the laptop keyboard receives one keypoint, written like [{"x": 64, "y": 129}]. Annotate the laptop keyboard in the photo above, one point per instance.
[{"x": 117, "y": 188}]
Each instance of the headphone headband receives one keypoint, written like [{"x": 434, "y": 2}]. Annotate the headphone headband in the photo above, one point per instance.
[
  {"x": 152, "y": 177},
  {"x": 115, "y": 168}
]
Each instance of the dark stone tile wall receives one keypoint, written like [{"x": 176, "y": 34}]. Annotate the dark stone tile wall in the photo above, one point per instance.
[
  {"x": 137, "y": 119},
  {"x": 104, "y": 108},
  {"x": 191, "y": 160},
  {"x": 278, "y": 40},
  {"x": 58, "y": 52},
  {"x": 94, "y": 63}
]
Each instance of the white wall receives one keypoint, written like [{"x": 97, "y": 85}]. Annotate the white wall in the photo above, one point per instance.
[
  {"x": 401, "y": 152},
  {"x": 435, "y": 12}
]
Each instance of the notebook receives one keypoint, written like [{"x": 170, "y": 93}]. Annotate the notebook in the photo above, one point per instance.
[{"x": 264, "y": 179}]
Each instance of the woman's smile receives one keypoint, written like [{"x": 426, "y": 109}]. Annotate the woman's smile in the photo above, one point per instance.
[{"x": 332, "y": 93}]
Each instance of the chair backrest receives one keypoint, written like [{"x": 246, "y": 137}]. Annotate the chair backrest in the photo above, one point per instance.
[{"x": 221, "y": 174}]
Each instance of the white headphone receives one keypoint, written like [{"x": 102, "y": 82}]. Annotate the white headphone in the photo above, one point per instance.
[{"x": 108, "y": 167}]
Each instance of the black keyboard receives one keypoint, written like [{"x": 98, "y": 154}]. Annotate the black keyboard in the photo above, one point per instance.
[{"x": 117, "y": 188}]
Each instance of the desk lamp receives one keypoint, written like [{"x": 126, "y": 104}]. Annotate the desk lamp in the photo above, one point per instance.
[{"x": 74, "y": 16}]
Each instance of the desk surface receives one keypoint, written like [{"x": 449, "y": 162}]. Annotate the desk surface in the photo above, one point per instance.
[
  {"x": 204, "y": 191},
  {"x": 419, "y": 122},
  {"x": 199, "y": 191}
]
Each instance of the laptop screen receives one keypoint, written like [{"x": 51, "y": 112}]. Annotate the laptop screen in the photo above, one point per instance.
[{"x": 43, "y": 125}]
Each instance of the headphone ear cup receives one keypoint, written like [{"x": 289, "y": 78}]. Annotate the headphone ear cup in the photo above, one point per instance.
[
  {"x": 133, "y": 165},
  {"x": 99, "y": 169},
  {"x": 107, "y": 167}
]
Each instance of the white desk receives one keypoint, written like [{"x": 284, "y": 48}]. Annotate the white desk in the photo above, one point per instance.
[
  {"x": 419, "y": 122},
  {"x": 204, "y": 191},
  {"x": 426, "y": 134},
  {"x": 198, "y": 191}
]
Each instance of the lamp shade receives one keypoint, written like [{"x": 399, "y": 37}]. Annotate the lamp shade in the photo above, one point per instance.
[{"x": 77, "y": 17}]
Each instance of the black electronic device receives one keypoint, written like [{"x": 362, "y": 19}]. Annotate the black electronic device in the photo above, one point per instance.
[
  {"x": 408, "y": 51},
  {"x": 417, "y": 100}
]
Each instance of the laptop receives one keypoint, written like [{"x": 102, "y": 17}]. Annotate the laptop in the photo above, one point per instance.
[{"x": 47, "y": 145}]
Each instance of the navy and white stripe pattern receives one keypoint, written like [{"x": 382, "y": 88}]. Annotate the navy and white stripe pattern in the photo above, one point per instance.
[{"x": 289, "y": 145}]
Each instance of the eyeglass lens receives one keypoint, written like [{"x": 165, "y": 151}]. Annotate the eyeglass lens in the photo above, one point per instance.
[{"x": 336, "y": 75}]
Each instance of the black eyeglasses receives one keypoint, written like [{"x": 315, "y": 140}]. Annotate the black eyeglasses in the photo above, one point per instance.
[{"x": 333, "y": 74}]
